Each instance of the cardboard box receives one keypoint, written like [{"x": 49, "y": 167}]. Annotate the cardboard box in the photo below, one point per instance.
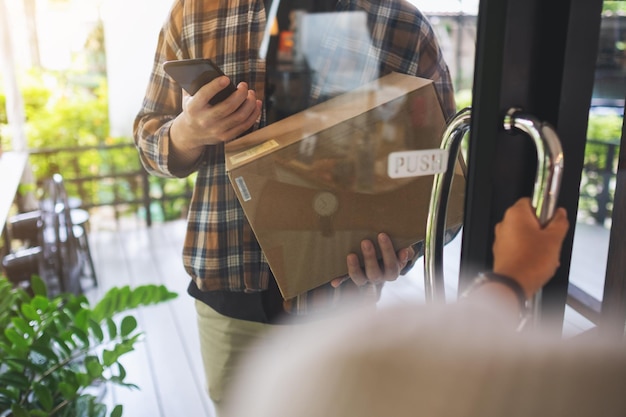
[{"x": 315, "y": 184}]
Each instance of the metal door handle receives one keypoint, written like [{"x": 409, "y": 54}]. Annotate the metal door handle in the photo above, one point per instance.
[
  {"x": 438, "y": 208},
  {"x": 549, "y": 161},
  {"x": 549, "y": 172},
  {"x": 545, "y": 193}
]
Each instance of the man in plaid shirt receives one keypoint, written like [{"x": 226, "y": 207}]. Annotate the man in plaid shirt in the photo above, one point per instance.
[{"x": 177, "y": 135}]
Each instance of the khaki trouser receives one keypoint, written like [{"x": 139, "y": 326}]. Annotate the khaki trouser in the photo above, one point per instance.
[{"x": 223, "y": 340}]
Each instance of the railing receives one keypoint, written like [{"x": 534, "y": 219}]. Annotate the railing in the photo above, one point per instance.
[
  {"x": 117, "y": 179},
  {"x": 598, "y": 181},
  {"x": 112, "y": 175}
]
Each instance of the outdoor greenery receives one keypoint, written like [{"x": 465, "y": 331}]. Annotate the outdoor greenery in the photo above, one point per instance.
[
  {"x": 463, "y": 99},
  {"x": 598, "y": 181},
  {"x": 55, "y": 352},
  {"x": 67, "y": 132},
  {"x": 68, "y": 111},
  {"x": 614, "y": 6}
]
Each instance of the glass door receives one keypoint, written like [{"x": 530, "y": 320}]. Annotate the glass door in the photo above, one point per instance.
[
  {"x": 562, "y": 62},
  {"x": 542, "y": 57}
]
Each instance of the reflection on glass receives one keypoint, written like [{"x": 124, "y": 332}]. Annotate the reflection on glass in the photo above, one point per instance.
[
  {"x": 316, "y": 55},
  {"x": 597, "y": 189}
]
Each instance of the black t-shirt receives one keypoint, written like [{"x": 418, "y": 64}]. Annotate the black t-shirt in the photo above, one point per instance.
[{"x": 263, "y": 307}]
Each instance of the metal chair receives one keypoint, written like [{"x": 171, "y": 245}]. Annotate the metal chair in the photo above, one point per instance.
[
  {"x": 80, "y": 221},
  {"x": 24, "y": 227},
  {"x": 67, "y": 243},
  {"x": 24, "y": 257},
  {"x": 21, "y": 265},
  {"x": 53, "y": 242}
]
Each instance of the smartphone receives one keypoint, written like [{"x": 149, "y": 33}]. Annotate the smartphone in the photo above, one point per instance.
[{"x": 192, "y": 74}]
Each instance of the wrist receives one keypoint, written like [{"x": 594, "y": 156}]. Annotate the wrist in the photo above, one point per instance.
[
  {"x": 504, "y": 282},
  {"x": 182, "y": 159},
  {"x": 523, "y": 277},
  {"x": 182, "y": 138}
]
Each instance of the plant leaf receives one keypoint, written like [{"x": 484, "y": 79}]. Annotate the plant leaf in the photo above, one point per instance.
[
  {"x": 122, "y": 371},
  {"x": 62, "y": 345},
  {"x": 103, "y": 309},
  {"x": 18, "y": 411},
  {"x": 96, "y": 330},
  {"x": 40, "y": 303},
  {"x": 123, "y": 298},
  {"x": 81, "y": 318},
  {"x": 44, "y": 396},
  {"x": 16, "y": 339},
  {"x": 83, "y": 379},
  {"x": 117, "y": 411},
  {"x": 30, "y": 313},
  {"x": 124, "y": 348},
  {"x": 136, "y": 298},
  {"x": 14, "y": 379},
  {"x": 129, "y": 323},
  {"x": 68, "y": 390},
  {"x": 38, "y": 286},
  {"x": 46, "y": 352},
  {"x": 112, "y": 327},
  {"x": 11, "y": 394},
  {"x": 109, "y": 357},
  {"x": 94, "y": 368},
  {"x": 119, "y": 378},
  {"x": 20, "y": 365},
  {"x": 81, "y": 335},
  {"x": 22, "y": 326}
]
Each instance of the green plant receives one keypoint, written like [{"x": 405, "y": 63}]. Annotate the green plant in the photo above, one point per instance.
[
  {"x": 613, "y": 6},
  {"x": 54, "y": 350},
  {"x": 597, "y": 186},
  {"x": 605, "y": 127},
  {"x": 463, "y": 99},
  {"x": 69, "y": 110}
]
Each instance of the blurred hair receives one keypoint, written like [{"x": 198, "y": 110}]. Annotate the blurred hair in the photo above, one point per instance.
[{"x": 434, "y": 361}]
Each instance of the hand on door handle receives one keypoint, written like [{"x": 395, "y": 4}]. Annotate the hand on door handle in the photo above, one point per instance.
[{"x": 526, "y": 251}]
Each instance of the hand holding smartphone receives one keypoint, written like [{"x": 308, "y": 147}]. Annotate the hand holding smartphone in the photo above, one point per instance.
[{"x": 192, "y": 74}]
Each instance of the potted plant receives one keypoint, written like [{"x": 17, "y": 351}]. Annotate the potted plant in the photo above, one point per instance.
[{"x": 54, "y": 351}]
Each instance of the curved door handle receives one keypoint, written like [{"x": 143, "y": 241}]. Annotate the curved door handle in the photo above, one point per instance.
[
  {"x": 545, "y": 194},
  {"x": 549, "y": 174},
  {"x": 438, "y": 208},
  {"x": 549, "y": 161}
]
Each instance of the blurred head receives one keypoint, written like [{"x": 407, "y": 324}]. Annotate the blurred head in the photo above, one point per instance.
[{"x": 431, "y": 361}]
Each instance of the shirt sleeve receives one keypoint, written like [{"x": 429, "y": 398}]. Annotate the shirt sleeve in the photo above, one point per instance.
[
  {"x": 433, "y": 66},
  {"x": 417, "y": 48},
  {"x": 162, "y": 102}
]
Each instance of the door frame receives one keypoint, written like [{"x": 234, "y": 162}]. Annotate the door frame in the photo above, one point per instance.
[{"x": 541, "y": 57}]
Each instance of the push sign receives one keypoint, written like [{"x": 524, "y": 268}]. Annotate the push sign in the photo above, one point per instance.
[{"x": 417, "y": 163}]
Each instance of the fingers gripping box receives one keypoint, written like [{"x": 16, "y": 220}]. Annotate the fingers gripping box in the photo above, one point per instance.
[{"x": 317, "y": 183}]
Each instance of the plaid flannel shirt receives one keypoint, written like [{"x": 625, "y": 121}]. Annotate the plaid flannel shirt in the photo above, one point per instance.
[{"x": 220, "y": 251}]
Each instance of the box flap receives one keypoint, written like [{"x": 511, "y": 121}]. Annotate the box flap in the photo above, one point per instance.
[{"x": 319, "y": 117}]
